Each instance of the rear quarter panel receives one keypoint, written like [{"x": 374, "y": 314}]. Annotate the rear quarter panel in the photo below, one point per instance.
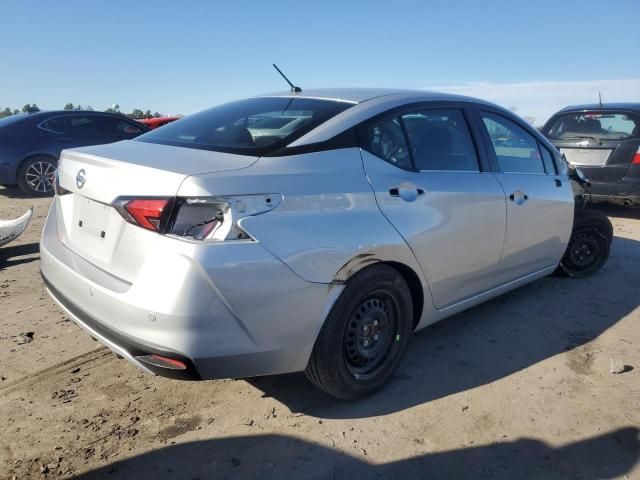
[{"x": 328, "y": 225}]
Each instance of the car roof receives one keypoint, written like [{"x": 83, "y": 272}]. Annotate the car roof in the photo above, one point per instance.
[
  {"x": 360, "y": 95},
  {"x": 367, "y": 102},
  {"x": 605, "y": 106}
]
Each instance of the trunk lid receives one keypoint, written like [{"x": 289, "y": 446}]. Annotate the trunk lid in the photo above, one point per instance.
[
  {"x": 139, "y": 169},
  {"x": 96, "y": 176}
]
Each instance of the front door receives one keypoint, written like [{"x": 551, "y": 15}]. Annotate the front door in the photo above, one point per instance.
[
  {"x": 539, "y": 201},
  {"x": 425, "y": 172}
]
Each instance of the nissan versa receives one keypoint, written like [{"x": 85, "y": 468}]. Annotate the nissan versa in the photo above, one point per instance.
[{"x": 307, "y": 231}]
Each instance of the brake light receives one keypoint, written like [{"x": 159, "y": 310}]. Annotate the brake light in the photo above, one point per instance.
[
  {"x": 149, "y": 213},
  {"x": 218, "y": 219},
  {"x": 636, "y": 158}
]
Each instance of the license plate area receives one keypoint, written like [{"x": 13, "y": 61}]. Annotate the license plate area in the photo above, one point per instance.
[
  {"x": 95, "y": 228},
  {"x": 588, "y": 157}
]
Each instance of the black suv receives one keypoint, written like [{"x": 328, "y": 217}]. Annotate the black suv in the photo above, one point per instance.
[{"x": 603, "y": 140}]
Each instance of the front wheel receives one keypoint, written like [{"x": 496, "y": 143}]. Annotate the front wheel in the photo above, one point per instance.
[
  {"x": 589, "y": 245},
  {"x": 36, "y": 176},
  {"x": 364, "y": 336}
]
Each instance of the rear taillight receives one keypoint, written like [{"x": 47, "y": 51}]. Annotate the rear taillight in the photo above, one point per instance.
[
  {"x": 218, "y": 219},
  {"x": 202, "y": 218},
  {"x": 150, "y": 213},
  {"x": 636, "y": 158}
]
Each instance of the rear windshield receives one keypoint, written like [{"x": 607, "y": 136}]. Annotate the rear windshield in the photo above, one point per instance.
[
  {"x": 255, "y": 126},
  {"x": 599, "y": 125}
]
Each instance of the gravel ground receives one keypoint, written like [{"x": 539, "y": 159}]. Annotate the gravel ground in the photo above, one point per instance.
[{"x": 516, "y": 388}]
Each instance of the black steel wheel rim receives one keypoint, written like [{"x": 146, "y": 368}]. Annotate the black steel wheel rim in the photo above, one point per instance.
[
  {"x": 371, "y": 335},
  {"x": 585, "y": 250}
]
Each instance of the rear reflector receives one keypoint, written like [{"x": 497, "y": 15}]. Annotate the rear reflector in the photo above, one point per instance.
[
  {"x": 148, "y": 213},
  {"x": 636, "y": 158},
  {"x": 163, "y": 362}
]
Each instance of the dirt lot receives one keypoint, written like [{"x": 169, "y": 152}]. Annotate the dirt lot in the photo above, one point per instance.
[{"x": 516, "y": 388}]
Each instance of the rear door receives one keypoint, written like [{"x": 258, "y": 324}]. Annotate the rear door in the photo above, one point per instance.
[
  {"x": 428, "y": 180},
  {"x": 602, "y": 143},
  {"x": 539, "y": 200}
]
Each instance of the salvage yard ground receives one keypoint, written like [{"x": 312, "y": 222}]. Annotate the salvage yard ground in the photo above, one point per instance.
[{"x": 516, "y": 388}]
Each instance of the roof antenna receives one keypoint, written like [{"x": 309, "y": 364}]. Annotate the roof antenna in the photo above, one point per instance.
[
  {"x": 600, "y": 99},
  {"x": 294, "y": 89}
]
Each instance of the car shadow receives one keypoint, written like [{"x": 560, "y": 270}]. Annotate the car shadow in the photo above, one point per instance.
[
  {"x": 488, "y": 342},
  {"x": 9, "y": 255},
  {"x": 274, "y": 456},
  {"x": 14, "y": 192}
]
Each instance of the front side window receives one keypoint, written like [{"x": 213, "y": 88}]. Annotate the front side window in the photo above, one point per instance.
[
  {"x": 547, "y": 158},
  {"x": 254, "y": 126},
  {"x": 440, "y": 140},
  {"x": 118, "y": 127},
  {"x": 516, "y": 149},
  {"x": 598, "y": 125}
]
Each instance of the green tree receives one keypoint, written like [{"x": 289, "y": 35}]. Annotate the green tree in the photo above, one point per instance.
[
  {"x": 16, "y": 111},
  {"x": 114, "y": 109},
  {"x": 6, "y": 113},
  {"x": 89, "y": 108},
  {"x": 69, "y": 106},
  {"x": 157, "y": 115},
  {"x": 30, "y": 108},
  {"x": 136, "y": 113}
]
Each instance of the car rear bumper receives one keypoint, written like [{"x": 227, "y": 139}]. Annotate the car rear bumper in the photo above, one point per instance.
[
  {"x": 621, "y": 192},
  {"x": 232, "y": 310}
]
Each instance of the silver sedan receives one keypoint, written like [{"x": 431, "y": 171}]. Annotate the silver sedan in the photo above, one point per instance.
[{"x": 306, "y": 231}]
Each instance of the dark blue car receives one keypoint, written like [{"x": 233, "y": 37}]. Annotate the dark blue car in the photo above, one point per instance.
[{"x": 30, "y": 143}]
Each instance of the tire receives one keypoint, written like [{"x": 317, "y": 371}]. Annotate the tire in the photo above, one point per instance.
[
  {"x": 36, "y": 176},
  {"x": 350, "y": 361},
  {"x": 589, "y": 245}
]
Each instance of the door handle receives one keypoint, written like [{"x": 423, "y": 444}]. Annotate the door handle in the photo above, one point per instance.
[
  {"x": 407, "y": 191},
  {"x": 518, "y": 197},
  {"x": 558, "y": 182}
]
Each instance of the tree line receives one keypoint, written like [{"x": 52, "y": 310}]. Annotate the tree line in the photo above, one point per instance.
[{"x": 30, "y": 108}]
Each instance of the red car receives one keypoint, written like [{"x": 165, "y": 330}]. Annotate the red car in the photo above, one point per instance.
[{"x": 154, "y": 123}]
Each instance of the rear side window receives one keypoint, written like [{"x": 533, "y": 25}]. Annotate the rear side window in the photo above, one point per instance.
[
  {"x": 255, "y": 126},
  {"x": 77, "y": 126},
  {"x": 516, "y": 149},
  {"x": 55, "y": 125},
  {"x": 440, "y": 140},
  {"x": 387, "y": 141},
  {"x": 437, "y": 139},
  {"x": 598, "y": 125}
]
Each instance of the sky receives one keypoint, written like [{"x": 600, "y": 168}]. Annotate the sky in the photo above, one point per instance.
[{"x": 179, "y": 57}]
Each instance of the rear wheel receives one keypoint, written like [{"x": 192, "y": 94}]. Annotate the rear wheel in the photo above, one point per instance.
[
  {"x": 589, "y": 245},
  {"x": 36, "y": 176},
  {"x": 364, "y": 336}
]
